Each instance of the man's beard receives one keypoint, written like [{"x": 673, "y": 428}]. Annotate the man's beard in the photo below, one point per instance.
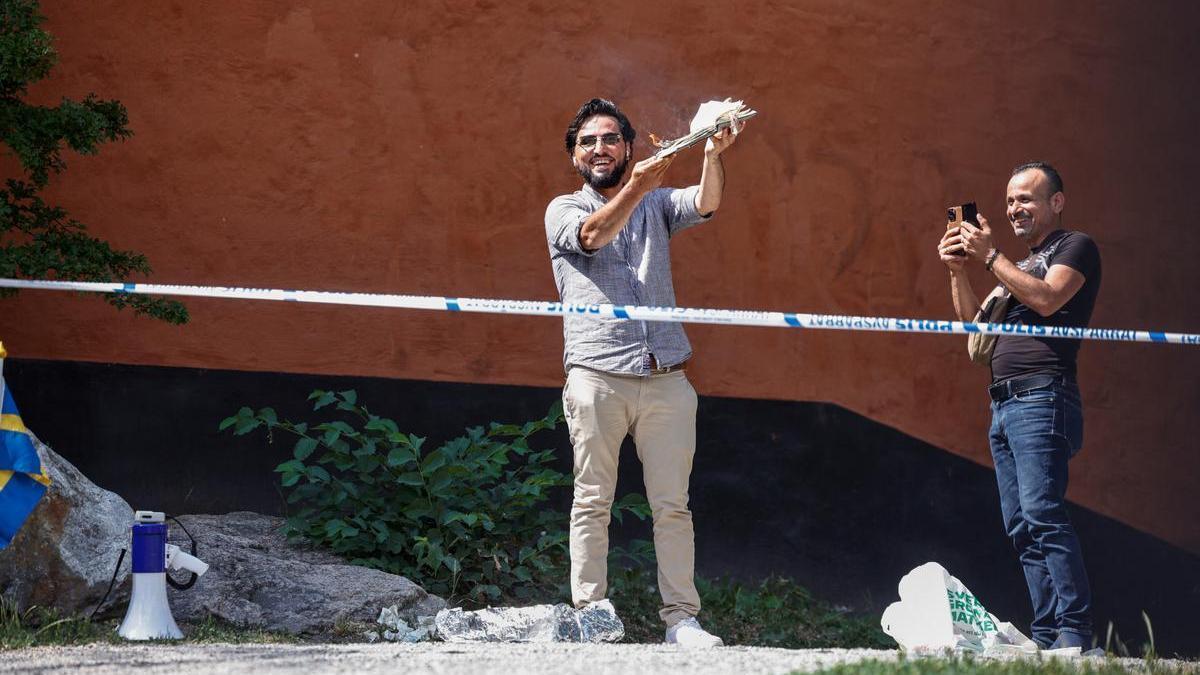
[{"x": 603, "y": 182}]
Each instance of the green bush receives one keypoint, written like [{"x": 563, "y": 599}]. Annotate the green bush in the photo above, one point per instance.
[{"x": 468, "y": 520}]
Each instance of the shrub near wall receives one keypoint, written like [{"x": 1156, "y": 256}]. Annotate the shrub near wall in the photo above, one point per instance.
[{"x": 467, "y": 520}]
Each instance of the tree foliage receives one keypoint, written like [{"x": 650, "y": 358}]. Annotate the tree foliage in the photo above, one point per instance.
[{"x": 39, "y": 240}]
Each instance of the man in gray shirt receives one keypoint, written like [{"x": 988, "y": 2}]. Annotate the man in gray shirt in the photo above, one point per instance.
[{"x": 609, "y": 243}]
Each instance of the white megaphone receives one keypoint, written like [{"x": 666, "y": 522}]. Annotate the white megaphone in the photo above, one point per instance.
[{"x": 149, "y": 615}]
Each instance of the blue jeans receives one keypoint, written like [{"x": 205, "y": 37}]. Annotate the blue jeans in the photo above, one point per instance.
[{"x": 1034, "y": 433}]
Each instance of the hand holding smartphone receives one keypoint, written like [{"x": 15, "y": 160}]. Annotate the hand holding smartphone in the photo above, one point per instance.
[{"x": 957, "y": 215}]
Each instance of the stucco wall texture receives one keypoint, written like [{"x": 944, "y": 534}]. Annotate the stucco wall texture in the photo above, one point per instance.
[{"x": 412, "y": 148}]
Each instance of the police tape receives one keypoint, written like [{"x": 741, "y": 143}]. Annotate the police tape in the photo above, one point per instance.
[{"x": 729, "y": 317}]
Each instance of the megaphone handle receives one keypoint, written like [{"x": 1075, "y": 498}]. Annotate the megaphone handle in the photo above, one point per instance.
[
  {"x": 190, "y": 582},
  {"x": 182, "y": 586}
]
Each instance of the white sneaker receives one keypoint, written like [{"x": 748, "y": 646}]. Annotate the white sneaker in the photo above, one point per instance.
[{"x": 688, "y": 633}]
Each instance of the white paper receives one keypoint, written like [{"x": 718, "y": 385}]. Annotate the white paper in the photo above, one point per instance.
[{"x": 711, "y": 112}]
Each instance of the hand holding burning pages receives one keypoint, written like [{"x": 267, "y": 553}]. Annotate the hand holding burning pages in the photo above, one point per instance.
[{"x": 712, "y": 117}]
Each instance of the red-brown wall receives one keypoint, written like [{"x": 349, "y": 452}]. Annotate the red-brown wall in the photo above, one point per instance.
[{"x": 412, "y": 147}]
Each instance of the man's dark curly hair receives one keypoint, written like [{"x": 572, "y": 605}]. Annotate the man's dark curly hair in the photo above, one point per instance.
[{"x": 599, "y": 106}]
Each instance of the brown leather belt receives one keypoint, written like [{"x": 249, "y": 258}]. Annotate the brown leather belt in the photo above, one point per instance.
[{"x": 656, "y": 370}]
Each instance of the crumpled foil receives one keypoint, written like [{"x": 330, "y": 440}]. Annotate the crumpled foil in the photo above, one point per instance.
[
  {"x": 598, "y": 622},
  {"x": 398, "y": 630}
]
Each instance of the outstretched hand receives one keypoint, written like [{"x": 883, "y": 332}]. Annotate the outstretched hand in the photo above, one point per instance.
[
  {"x": 648, "y": 174},
  {"x": 720, "y": 141}
]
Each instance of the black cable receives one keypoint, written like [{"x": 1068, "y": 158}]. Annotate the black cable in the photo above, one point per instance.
[
  {"x": 190, "y": 582},
  {"x": 120, "y": 559}
]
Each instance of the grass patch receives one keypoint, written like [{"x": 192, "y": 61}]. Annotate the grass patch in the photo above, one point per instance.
[
  {"x": 968, "y": 666},
  {"x": 38, "y": 626},
  {"x": 41, "y": 626},
  {"x": 776, "y": 612}
]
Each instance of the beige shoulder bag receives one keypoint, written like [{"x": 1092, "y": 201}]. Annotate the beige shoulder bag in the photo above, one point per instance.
[{"x": 980, "y": 345}]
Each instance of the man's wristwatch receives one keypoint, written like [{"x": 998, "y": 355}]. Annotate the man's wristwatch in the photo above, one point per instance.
[{"x": 991, "y": 258}]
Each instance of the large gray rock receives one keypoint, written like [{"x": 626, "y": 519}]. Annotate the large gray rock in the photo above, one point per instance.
[
  {"x": 64, "y": 554},
  {"x": 257, "y": 579}
]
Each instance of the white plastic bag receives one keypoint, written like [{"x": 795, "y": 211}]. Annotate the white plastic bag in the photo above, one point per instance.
[{"x": 936, "y": 613}]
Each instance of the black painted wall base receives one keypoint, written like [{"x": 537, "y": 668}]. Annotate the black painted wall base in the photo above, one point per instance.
[{"x": 844, "y": 505}]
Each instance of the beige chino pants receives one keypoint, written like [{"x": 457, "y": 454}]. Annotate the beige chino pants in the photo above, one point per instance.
[{"x": 659, "y": 411}]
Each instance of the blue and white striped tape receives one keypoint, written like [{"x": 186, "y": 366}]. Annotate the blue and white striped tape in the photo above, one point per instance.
[{"x": 731, "y": 317}]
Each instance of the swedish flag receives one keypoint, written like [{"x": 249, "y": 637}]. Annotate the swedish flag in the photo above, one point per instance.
[{"x": 23, "y": 481}]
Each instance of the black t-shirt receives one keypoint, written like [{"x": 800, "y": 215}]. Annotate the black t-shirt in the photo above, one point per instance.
[{"x": 1023, "y": 355}]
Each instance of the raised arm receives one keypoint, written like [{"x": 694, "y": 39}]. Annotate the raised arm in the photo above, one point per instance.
[
  {"x": 712, "y": 176},
  {"x": 966, "y": 303}
]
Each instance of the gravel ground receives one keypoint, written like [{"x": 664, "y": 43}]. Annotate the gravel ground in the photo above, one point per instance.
[{"x": 435, "y": 657}]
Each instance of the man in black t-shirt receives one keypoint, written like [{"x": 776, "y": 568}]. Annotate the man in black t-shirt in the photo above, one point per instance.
[{"x": 1037, "y": 418}]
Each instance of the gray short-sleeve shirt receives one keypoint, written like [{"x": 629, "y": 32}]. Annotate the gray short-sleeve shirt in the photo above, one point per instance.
[{"x": 633, "y": 269}]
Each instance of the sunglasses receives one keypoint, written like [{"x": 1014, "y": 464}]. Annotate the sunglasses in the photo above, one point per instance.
[{"x": 589, "y": 142}]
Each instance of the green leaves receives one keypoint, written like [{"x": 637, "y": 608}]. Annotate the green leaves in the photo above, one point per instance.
[
  {"x": 26, "y": 51},
  {"x": 398, "y": 457},
  {"x": 243, "y": 422},
  {"x": 465, "y": 519},
  {"x": 323, "y": 398},
  {"x": 632, "y": 503},
  {"x": 304, "y": 448},
  {"x": 337, "y": 528},
  {"x": 38, "y": 240},
  {"x": 292, "y": 472},
  {"x": 410, "y": 478}
]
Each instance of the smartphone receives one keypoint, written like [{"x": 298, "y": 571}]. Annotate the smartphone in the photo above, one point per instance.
[
  {"x": 962, "y": 214},
  {"x": 957, "y": 215}
]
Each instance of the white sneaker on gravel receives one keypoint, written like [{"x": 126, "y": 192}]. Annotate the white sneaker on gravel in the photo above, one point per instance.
[{"x": 688, "y": 633}]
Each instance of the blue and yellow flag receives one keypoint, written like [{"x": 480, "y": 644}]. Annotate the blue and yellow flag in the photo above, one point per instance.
[{"x": 23, "y": 481}]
